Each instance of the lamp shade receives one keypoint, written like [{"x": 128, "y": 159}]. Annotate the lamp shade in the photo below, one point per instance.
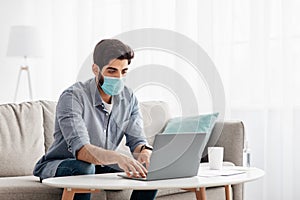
[{"x": 24, "y": 41}]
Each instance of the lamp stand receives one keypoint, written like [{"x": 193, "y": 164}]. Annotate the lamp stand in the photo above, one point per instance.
[{"x": 24, "y": 68}]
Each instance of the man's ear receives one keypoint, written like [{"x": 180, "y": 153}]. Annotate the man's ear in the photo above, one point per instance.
[{"x": 95, "y": 69}]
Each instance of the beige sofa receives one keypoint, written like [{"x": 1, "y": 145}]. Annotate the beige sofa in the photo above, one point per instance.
[{"x": 26, "y": 133}]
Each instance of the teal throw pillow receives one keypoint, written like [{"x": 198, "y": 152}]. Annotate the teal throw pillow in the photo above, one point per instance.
[{"x": 193, "y": 124}]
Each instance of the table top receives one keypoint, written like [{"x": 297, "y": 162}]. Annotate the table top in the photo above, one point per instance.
[{"x": 206, "y": 178}]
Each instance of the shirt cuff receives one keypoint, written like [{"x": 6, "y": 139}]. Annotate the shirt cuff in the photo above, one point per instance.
[
  {"x": 134, "y": 147},
  {"x": 77, "y": 144}
]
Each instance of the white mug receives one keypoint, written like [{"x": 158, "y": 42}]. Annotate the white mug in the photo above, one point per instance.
[{"x": 215, "y": 157}]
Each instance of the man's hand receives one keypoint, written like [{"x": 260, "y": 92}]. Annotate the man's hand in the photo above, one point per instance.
[
  {"x": 144, "y": 157},
  {"x": 131, "y": 165}
]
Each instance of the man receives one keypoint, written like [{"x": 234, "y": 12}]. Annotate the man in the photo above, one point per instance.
[{"x": 91, "y": 120}]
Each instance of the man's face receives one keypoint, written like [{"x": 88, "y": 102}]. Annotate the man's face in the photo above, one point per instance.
[{"x": 115, "y": 68}]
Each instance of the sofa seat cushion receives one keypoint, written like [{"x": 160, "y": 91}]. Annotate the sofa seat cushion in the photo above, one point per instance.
[
  {"x": 125, "y": 194},
  {"x": 211, "y": 193},
  {"x": 21, "y": 138},
  {"x": 165, "y": 192},
  {"x": 27, "y": 187},
  {"x": 178, "y": 196}
]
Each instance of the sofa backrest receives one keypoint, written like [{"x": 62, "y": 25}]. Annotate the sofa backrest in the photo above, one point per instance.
[
  {"x": 26, "y": 132},
  {"x": 22, "y": 141},
  {"x": 155, "y": 116},
  {"x": 49, "y": 108}
]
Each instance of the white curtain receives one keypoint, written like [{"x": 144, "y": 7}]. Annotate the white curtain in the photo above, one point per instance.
[
  {"x": 259, "y": 60},
  {"x": 255, "y": 45},
  {"x": 256, "y": 48}
]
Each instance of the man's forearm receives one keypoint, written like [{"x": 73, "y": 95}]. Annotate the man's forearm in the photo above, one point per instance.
[
  {"x": 99, "y": 156},
  {"x": 96, "y": 155}
]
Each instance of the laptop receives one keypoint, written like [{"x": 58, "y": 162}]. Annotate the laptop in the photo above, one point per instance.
[{"x": 174, "y": 156}]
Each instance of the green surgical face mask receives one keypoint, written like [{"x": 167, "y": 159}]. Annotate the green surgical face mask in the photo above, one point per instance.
[{"x": 112, "y": 85}]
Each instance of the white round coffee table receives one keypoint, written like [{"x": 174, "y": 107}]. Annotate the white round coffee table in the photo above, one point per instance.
[{"x": 206, "y": 178}]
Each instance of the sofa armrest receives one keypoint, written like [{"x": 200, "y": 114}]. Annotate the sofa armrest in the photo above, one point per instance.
[{"x": 231, "y": 138}]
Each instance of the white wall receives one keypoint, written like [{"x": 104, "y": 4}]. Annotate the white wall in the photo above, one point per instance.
[
  {"x": 70, "y": 29},
  {"x": 63, "y": 51},
  {"x": 16, "y": 12}
]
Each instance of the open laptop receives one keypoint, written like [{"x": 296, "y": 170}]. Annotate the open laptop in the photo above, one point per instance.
[{"x": 174, "y": 156}]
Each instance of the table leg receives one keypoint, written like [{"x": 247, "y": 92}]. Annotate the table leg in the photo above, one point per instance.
[
  {"x": 199, "y": 192},
  {"x": 69, "y": 193},
  {"x": 228, "y": 192}
]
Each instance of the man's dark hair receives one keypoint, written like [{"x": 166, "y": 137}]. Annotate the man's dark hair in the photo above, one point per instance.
[{"x": 109, "y": 49}]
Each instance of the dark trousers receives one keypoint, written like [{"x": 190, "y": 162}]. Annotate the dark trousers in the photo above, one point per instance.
[{"x": 72, "y": 167}]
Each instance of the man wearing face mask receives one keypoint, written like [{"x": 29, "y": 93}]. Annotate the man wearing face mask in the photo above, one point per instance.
[{"x": 91, "y": 120}]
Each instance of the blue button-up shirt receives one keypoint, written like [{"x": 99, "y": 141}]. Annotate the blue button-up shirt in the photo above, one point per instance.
[{"x": 81, "y": 118}]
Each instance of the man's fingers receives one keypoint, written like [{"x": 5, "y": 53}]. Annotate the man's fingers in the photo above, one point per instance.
[
  {"x": 137, "y": 169},
  {"x": 147, "y": 164},
  {"x": 126, "y": 170},
  {"x": 143, "y": 167}
]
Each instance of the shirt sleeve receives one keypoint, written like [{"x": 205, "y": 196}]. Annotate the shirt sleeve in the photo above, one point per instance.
[
  {"x": 135, "y": 129},
  {"x": 69, "y": 115}
]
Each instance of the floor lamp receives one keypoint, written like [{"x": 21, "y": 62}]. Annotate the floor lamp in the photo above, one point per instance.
[{"x": 24, "y": 41}]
